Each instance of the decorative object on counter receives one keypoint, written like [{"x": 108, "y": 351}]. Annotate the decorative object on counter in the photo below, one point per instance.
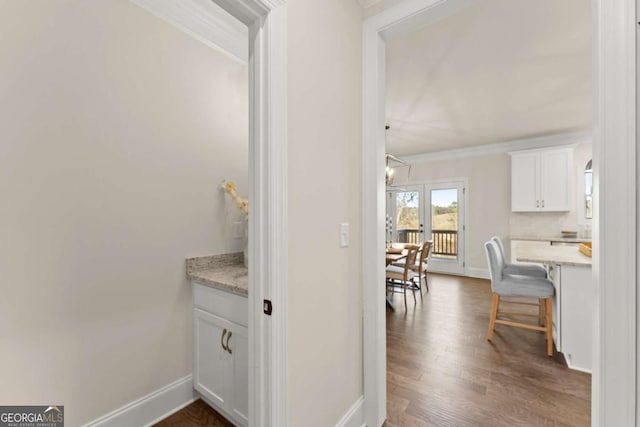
[
  {"x": 243, "y": 204},
  {"x": 230, "y": 188},
  {"x": 586, "y": 248}
]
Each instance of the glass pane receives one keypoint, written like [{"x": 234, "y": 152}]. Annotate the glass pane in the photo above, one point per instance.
[
  {"x": 407, "y": 217},
  {"x": 444, "y": 223},
  {"x": 588, "y": 191}
]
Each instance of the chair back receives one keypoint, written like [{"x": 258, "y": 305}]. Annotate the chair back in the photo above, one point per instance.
[
  {"x": 498, "y": 241},
  {"x": 495, "y": 261},
  {"x": 412, "y": 253},
  {"x": 426, "y": 248}
]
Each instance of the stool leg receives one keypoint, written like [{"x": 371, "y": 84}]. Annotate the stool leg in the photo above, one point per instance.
[
  {"x": 549, "y": 325},
  {"x": 494, "y": 314}
]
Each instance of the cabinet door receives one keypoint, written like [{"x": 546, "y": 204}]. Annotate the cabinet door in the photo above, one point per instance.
[
  {"x": 554, "y": 180},
  {"x": 524, "y": 182},
  {"x": 239, "y": 345},
  {"x": 212, "y": 363}
]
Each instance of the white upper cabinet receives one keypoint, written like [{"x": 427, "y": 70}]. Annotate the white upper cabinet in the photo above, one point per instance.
[{"x": 540, "y": 180}]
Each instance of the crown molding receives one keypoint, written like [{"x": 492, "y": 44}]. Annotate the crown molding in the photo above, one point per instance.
[
  {"x": 205, "y": 21},
  {"x": 501, "y": 147}
]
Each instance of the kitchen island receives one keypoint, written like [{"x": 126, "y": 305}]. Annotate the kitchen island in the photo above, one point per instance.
[{"x": 570, "y": 272}]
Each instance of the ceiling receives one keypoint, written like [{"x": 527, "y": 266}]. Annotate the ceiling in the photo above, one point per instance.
[{"x": 499, "y": 70}]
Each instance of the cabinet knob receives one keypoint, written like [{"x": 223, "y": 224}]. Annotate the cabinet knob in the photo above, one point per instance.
[
  {"x": 543, "y": 203},
  {"x": 228, "y": 346},
  {"x": 537, "y": 203},
  {"x": 224, "y": 332}
]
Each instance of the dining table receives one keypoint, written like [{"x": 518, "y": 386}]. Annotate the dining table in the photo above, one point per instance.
[{"x": 392, "y": 256}]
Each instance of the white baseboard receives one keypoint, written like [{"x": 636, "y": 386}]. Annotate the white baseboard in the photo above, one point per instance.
[
  {"x": 354, "y": 416},
  {"x": 151, "y": 408},
  {"x": 479, "y": 273}
]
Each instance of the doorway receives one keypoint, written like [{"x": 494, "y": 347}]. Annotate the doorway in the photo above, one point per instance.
[
  {"x": 613, "y": 45},
  {"x": 432, "y": 211}
]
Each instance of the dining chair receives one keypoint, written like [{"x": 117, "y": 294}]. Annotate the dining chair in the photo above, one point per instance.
[
  {"x": 402, "y": 277},
  {"x": 504, "y": 284},
  {"x": 419, "y": 266},
  {"x": 519, "y": 269}
]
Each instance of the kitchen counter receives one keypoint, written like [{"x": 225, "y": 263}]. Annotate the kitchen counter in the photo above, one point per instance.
[
  {"x": 551, "y": 239},
  {"x": 225, "y": 272},
  {"x": 565, "y": 255}
]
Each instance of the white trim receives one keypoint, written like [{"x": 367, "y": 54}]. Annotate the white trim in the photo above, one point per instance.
[
  {"x": 563, "y": 139},
  {"x": 151, "y": 408},
  {"x": 373, "y": 199},
  {"x": 268, "y": 249},
  {"x": 614, "y": 381},
  {"x": 354, "y": 417},
  {"x": 205, "y": 21},
  {"x": 478, "y": 273}
]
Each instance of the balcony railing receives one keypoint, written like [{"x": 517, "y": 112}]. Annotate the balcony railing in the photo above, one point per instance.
[
  {"x": 445, "y": 242},
  {"x": 408, "y": 235}
]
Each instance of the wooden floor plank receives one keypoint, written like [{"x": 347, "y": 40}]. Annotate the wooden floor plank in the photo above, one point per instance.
[
  {"x": 196, "y": 414},
  {"x": 438, "y": 359}
]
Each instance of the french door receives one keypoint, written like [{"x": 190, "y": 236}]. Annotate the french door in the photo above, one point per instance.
[{"x": 432, "y": 211}]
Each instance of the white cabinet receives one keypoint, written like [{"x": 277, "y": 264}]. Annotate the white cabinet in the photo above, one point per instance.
[
  {"x": 577, "y": 316},
  {"x": 540, "y": 180},
  {"x": 221, "y": 361}
]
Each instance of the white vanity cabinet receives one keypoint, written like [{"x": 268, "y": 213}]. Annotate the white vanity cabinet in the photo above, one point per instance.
[
  {"x": 540, "y": 180},
  {"x": 221, "y": 351}
]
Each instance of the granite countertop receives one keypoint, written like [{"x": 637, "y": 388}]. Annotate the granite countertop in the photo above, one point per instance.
[
  {"x": 566, "y": 255},
  {"x": 225, "y": 272},
  {"x": 552, "y": 239}
]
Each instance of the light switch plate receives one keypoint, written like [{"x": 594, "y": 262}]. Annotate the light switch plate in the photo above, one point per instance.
[{"x": 344, "y": 234}]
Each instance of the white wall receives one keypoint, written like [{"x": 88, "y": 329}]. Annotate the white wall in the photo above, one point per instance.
[
  {"x": 490, "y": 199},
  {"x": 325, "y": 291},
  {"x": 489, "y": 196},
  {"x": 116, "y": 130}
]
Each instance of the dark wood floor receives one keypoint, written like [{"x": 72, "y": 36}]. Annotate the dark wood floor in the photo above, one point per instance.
[
  {"x": 196, "y": 414},
  {"x": 442, "y": 371}
]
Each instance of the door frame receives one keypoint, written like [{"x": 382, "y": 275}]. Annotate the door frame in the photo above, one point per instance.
[
  {"x": 422, "y": 187},
  {"x": 418, "y": 188},
  {"x": 441, "y": 184},
  {"x": 268, "y": 249},
  {"x": 615, "y": 261}
]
